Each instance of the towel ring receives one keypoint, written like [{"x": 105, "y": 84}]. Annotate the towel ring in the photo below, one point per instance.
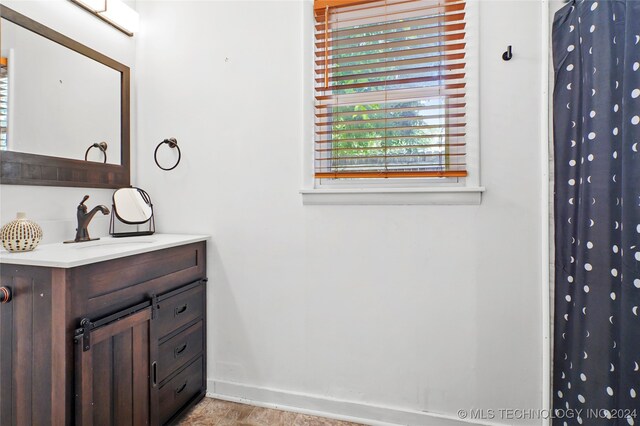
[
  {"x": 508, "y": 54},
  {"x": 173, "y": 143},
  {"x": 102, "y": 146}
]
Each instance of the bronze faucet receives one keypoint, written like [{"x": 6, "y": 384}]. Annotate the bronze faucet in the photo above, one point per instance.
[{"x": 82, "y": 232}]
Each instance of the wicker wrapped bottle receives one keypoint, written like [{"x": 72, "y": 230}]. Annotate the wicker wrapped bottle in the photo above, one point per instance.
[{"x": 21, "y": 234}]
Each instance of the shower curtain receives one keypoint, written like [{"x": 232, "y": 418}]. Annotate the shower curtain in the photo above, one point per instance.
[{"x": 596, "y": 53}]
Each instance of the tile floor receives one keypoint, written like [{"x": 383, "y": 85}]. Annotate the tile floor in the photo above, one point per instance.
[{"x": 210, "y": 412}]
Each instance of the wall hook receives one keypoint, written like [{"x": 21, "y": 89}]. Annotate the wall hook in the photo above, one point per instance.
[{"x": 508, "y": 54}]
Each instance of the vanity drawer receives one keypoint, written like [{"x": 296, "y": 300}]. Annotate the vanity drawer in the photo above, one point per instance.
[
  {"x": 113, "y": 285},
  {"x": 179, "y": 349},
  {"x": 180, "y": 309},
  {"x": 180, "y": 389}
]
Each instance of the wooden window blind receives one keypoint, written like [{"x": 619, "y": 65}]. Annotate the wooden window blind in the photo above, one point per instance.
[
  {"x": 4, "y": 102},
  {"x": 389, "y": 89}
]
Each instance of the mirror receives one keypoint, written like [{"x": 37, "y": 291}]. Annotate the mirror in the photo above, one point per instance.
[
  {"x": 64, "y": 109},
  {"x": 71, "y": 97},
  {"x": 132, "y": 206}
]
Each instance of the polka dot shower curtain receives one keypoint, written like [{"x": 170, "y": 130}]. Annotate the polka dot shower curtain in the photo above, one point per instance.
[{"x": 596, "y": 50}]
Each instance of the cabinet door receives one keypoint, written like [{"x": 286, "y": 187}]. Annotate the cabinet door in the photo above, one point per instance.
[
  {"x": 32, "y": 353},
  {"x": 113, "y": 384},
  {"x": 6, "y": 364}
]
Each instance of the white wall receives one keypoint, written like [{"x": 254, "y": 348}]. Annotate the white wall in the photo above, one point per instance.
[
  {"x": 55, "y": 208},
  {"x": 417, "y": 308}
]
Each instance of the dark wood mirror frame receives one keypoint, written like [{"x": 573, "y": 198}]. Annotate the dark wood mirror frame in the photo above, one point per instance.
[{"x": 18, "y": 168}]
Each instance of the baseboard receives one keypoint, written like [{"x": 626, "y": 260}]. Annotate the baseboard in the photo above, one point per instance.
[{"x": 374, "y": 415}]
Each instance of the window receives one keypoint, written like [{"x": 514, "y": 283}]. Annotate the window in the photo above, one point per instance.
[{"x": 390, "y": 92}]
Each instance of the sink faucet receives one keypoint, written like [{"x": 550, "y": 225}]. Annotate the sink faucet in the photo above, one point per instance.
[{"x": 82, "y": 232}]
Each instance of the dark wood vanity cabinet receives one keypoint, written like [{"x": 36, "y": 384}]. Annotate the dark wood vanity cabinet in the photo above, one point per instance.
[{"x": 120, "y": 342}]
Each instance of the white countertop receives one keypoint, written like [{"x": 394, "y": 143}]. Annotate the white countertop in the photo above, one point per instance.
[{"x": 59, "y": 255}]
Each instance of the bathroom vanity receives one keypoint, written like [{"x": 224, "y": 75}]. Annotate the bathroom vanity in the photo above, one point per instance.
[{"x": 105, "y": 332}]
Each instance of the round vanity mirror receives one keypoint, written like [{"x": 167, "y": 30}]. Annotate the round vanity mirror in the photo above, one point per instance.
[{"x": 132, "y": 206}]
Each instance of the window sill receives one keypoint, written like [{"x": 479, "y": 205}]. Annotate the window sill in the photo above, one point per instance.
[{"x": 393, "y": 196}]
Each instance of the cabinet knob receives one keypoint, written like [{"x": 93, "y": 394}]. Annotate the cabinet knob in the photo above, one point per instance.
[{"x": 5, "y": 295}]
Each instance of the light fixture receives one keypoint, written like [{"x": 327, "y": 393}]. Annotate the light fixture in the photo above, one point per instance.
[{"x": 114, "y": 12}]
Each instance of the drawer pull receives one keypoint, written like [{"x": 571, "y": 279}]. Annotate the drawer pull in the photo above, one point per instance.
[
  {"x": 178, "y": 351},
  {"x": 181, "y": 309},
  {"x": 181, "y": 388},
  {"x": 154, "y": 373}
]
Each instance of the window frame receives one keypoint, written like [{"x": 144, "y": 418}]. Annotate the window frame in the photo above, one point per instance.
[{"x": 447, "y": 190}]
